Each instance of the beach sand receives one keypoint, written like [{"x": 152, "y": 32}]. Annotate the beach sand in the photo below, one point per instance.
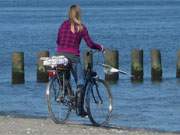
[{"x": 31, "y": 126}]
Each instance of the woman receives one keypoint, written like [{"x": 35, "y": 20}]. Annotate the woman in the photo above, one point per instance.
[{"x": 69, "y": 38}]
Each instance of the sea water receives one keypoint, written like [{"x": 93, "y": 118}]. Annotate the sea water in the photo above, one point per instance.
[{"x": 31, "y": 26}]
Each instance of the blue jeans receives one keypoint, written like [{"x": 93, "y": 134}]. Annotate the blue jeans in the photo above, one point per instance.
[
  {"x": 78, "y": 73},
  {"x": 77, "y": 69}
]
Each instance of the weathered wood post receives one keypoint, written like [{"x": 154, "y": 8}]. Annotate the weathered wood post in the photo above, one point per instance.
[
  {"x": 88, "y": 59},
  {"x": 178, "y": 65},
  {"x": 137, "y": 65},
  {"x": 156, "y": 66},
  {"x": 42, "y": 75},
  {"x": 18, "y": 68},
  {"x": 112, "y": 59}
]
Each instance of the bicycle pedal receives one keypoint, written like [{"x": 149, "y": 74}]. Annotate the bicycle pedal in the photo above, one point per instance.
[
  {"x": 59, "y": 99},
  {"x": 84, "y": 114}
]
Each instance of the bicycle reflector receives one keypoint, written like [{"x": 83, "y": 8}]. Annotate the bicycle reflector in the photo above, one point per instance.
[{"x": 51, "y": 73}]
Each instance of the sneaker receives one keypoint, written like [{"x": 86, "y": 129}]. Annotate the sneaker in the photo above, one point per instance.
[{"x": 84, "y": 114}]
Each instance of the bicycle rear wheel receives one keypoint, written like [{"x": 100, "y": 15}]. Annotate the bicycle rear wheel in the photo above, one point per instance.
[
  {"x": 98, "y": 102},
  {"x": 58, "y": 109}
]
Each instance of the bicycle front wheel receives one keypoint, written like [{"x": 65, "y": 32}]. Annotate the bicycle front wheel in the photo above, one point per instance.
[
  {"x": 58, "y": 109},
  {"x": 98, "y": 102}
]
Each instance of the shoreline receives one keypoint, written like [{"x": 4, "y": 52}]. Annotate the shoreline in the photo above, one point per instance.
[{"x": 10, "y": 125}]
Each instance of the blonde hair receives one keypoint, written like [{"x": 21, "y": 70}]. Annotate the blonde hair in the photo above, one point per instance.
[{"x": 75, "y": 16}]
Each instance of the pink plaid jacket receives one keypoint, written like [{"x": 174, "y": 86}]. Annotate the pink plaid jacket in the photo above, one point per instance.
[{"x": 69, "y": 42}]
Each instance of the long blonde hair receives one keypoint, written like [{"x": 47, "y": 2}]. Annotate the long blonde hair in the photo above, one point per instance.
[{"x": 75, "y": 16}]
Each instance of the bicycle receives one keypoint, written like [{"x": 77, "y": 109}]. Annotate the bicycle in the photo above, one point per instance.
[{"x": 62, "y": 99}]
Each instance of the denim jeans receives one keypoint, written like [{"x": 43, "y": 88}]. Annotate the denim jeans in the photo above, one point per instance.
[
  {"x": 77, "y": 69},
  {"x": 78, "y": 73}
]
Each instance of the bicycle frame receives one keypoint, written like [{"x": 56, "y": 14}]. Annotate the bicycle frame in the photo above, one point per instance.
[
  {"x": 54, "y": 73},
  {"x": 61, "y": 95},
  {"x": 89, "y": 78}
]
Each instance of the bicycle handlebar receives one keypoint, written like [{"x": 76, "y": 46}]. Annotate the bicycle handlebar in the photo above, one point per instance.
[
  {"x": 95, "y": 51},
  {"x": 109, "y": 68}
]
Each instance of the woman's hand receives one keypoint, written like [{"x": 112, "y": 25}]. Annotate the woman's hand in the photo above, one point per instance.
[{"x": 102, "y": 49}]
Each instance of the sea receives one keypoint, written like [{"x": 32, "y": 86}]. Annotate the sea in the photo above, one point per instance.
[{"x": 32, "y": 26}]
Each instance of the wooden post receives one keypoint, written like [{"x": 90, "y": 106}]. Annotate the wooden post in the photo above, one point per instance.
[
  {"x": 178, "y": 65},
  {"x": 18, "y": 68},
  {"x": 112, "y": 59},
  {"x": 42, "y": 75},
  {"x": 156, "y": 66},
  {"x": 88, "y": 59},
  {"x": 137, "y": 65}
]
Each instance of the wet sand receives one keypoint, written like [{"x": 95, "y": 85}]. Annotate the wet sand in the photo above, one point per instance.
[{"x": 32, "y": 126}]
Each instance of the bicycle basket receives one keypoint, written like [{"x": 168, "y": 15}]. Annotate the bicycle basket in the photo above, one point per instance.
[{"x": 55, "y": 61}]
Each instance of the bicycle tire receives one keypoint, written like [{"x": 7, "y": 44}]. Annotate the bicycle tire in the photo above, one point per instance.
[
  {"x": 88, "y": 98},
  {"x": 51, "y": 102}
]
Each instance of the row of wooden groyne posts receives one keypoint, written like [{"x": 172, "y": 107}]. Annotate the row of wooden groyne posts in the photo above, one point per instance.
[{"x": 111, "y": 58}]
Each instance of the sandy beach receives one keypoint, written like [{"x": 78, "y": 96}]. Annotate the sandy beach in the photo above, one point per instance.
[{"x": 30, "y": 126}]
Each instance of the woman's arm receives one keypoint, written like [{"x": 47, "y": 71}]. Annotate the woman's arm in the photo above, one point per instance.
[
  {"x": 60, "y": 31},
  {"x": 58, "y": 37},
  {"x": 89, "y": 41}
]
